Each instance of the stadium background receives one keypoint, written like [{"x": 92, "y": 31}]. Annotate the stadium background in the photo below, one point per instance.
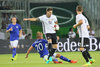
[
  {"x": 64, "y": 10},
  {"x": 24, "y": 9}
]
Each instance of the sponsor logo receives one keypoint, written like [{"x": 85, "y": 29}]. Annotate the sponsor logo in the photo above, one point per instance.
[{"x": 69, "y": 45}]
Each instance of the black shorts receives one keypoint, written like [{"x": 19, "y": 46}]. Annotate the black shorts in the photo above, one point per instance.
[
  {"x": 84, "y": 42},
  {"x": 53, "y": 37}
]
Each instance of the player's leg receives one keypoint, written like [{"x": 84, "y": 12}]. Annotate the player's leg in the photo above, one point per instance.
[
  {"x": 46, "y": 59},
  {"x": 14, "y": 46},
  {"x": 48, "y": 37},
  {"x": 55, "y": 60},
  {"x": 49, "y": 45},
  {"x": 84, "y": 52},
  {"x": 16, "y": 43},
  {"x": 57, "y": 55},
  {"x": 13, "y": 50},
  {"x": 54, "y": 44},
  {"x": 91, "y": 60}
]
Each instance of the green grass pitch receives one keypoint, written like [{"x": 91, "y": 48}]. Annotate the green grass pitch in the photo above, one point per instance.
[{"x": 35, "y": 61}]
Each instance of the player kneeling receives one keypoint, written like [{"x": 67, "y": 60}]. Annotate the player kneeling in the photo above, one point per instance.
[{"x": 40, "y": 46}]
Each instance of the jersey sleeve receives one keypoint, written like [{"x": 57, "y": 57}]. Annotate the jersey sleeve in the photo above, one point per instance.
[
  {"x": 45, "y": 41},
  {"x": 79, "y": 18},
  {"x": 9, "y": 26},
  {"x": 40, "y": 18},
  {"x": 55, "y": 19},
  {"x": 87, "y": 22},
  {"x": 33, "y": 44},
  {"x": 20, "y": 27}
]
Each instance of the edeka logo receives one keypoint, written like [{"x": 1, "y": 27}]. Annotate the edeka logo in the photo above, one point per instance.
[
  {"x": 67, "y": 17},
  {"x": 68, "y": 45}
]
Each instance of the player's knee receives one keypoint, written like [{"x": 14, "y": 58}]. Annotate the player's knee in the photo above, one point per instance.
[
  {"x": 54, "y": 46},
  {"x": 49, "y": 41},
  {"x": 81, "y": 49},
  {"x": 58, "y": 55}
]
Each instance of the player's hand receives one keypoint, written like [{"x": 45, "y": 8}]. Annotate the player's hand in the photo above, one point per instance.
[
  {"x": 20, "y": 35},
  {"x": 26, "y": 56},
  {"x": 10, "y": 29},
  {"x": 74, "y": 26},
  {"x": 25, "y": 19}
]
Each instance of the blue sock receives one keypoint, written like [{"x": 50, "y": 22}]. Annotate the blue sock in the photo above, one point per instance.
[
  {"x": 55, "y": 60},
  {"x": 64, "y": 58},
  {"x": 14, "y": 52}
]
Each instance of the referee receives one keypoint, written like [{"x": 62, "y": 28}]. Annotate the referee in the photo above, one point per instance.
[
  {"x": 83, "y": 26},
  {"x": 50, "y": 25}
]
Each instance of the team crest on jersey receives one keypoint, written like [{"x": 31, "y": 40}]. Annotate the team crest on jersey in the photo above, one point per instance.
[
  {"x": 50, "y": 21},
  {"x": 35, "y": 45},
  {"x": 16, "y": 26}
]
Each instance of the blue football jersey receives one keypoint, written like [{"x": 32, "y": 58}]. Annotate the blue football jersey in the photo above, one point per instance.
[
  {"x": 14, "y": 34},
  {"x": 40, "y": 46}
]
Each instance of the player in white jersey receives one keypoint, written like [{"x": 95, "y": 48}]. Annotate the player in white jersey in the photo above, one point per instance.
[
  {"x": 83, "y": 26},
  {"x": 50, "y": 25}
]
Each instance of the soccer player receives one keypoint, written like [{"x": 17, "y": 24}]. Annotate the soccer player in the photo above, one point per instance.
[
  {"x": 40, "y": 46},
  {"x": 15, "y": 32},
  {"x": 50, "y": 25},
  {"x": 82, "y": 25}
]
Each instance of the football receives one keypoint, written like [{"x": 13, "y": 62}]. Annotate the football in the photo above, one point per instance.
[{"x": 56, "y": 27}]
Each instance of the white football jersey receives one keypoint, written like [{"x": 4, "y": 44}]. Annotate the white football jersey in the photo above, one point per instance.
[
  {"x": 83, "y": 30},
  {"x": 48, "y": 23}
]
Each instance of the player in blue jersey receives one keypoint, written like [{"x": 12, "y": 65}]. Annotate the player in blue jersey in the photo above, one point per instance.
[
  {"x": 15, "y": 32},
  {"x": 40, "y": 46}
]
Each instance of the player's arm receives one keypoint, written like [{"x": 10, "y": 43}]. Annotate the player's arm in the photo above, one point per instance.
[
  {"x": 20, "y": 33},
  {"x": 88, "y": 27},
  {"x": 31, "y": 19},
  {"x": 56, "y": 22},
  {"x": 9, "y": 30},
  {"x": 79, "y": 23},
  {"x": 31, "y": 47}
]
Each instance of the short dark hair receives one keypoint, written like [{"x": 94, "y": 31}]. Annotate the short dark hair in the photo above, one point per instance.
[
  {"x": 79, "y": 8},
  {"x": 49, "y": 9}
]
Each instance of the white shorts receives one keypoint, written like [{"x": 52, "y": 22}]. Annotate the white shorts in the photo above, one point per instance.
[
  {"x": 53, "y": 57},
  {"x": 14, "y": 43}
]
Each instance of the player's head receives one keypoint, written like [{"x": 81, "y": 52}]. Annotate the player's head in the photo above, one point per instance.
[
  {"x": 49, "y": 11},
  {"x": 39, "y": 35},
  {"x": 79, "y": 9},
  {"x": 13, "y": 19}
]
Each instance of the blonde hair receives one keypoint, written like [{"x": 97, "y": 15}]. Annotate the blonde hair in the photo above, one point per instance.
[{"x": 39, "y": 34}]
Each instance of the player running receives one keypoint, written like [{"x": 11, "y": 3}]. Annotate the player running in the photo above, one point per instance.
[
  {"x": 40, "y": 46},
  {"x": 83, "y": 26},
  {"x": 15, "y": 32},
  {"x": 50, "y": 25}
]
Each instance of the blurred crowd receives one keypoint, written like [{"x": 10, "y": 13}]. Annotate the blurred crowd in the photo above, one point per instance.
[
  {"x": 72, "y": 34},
  {"x": 6, "y": 17}
]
